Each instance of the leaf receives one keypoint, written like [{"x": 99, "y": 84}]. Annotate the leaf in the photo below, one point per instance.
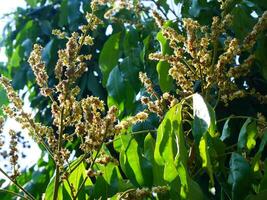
[
  {"x": 239, "y": 176},
  {"x": 149, "y": 147},
  {"x": 134, "y": 165},
  {"x": 76, "y": 178},
  {"x": 166, "y": 149},
  {"x": 204, "y": 118},
  {"x": 170, "y": 150},
  {"x": 109, "y": 56},
  {"x": 63, "y": 13},
  {"x": 247, "y": 135},
  {"x": 205, "y": 155},
  {"x": 62, "y": 193},
  {"x": 120, "y": 92},
  {"x": 109, "y": 183},
  {"x": 3, "y": 99},
  {"x": 32, "y": 3},
  {"x": 257, "y": 157},
  {"x": 195, "y": 192},
  {"x": 226, "y": 132},
  {"x": 241, "y": 27},
  {"x": 165, "y": 80}
]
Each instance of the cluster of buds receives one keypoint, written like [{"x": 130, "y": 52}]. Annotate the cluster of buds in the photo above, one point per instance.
[
  {"x": 261, "y": 25},
  {"x": 2, "y": 121},
  {"x": 196, "y": 58},
  {"x": 13, "y": 154},
  {"x": 129, "y": 121},
  {"x": 142, "y": 193},
  {"x": 11, "y": 94}
]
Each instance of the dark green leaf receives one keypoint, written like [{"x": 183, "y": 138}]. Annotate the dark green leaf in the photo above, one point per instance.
[
  {"x": 109, "y": 56},
  {"x": 239, "y": 177}
]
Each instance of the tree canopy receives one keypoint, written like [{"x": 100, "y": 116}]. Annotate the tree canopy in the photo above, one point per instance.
[{"x": 139, "y": 103}]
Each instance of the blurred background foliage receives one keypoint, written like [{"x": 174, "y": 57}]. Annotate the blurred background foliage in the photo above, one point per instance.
[{"x": 120, "y": 51}]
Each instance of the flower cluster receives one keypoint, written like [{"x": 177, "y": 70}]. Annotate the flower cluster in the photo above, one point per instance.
[
  {"x": 143, "y": 193},
  {"x": 196, "y": 57},
  {"x": 86, "y": 120},
  {"x": 155, "y": 103}
]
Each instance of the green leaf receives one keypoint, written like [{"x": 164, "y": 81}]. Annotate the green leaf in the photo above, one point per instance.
[
  {"x": 62, "y": 193},
  {"x": 136, "y": 167},
  {"x": 170, "y": 150},
  {"x": 16, "y": 57},
  {"x": 204, "y": 118},
  {"x": 3, "y": 99},
  {"x": 226, "y": 132},
  {"x": 205, "y": 155},
  {"x": 32, "y": 3},
  {"x": 76, "y": 178},
  {"x": 165, "y": 80},
  {"x": 257, "y": 157},
  {"x": 247, "y": 135},
  {"x": 120, "y": 92},
  {"x": 149, "y": 147},
  {"x": 109, "y": 56},
  {"x": 109, "y": 183},
  {"x": 239, "y": 177},
  {"x": 63, "y": 16},
  {"x": 195, "y": 192},
  {"x": 241, "y": 27}
]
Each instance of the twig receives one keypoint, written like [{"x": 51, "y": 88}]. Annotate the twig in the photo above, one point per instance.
[
  {"x": 14, "y": 193},
  {"x": 56, "y": 187},
  {"x": 18, "y": 185}
]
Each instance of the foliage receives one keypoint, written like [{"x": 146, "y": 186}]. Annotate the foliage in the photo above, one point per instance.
[{"x": 180, "y": 132}]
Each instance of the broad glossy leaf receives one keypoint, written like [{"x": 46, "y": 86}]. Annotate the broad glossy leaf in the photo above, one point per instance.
[
  {"x": 204, "y": 118},
  {"x": 166, "y": 149},
  {"x": 109, "y": 56},
  {"x": 149, "y": 147},
  {"x": 136, "y": 167},
  {"x": 109, "y": 183},
  {"x": 120, "y": 92},
  {"x": 239, "y": 177}
]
